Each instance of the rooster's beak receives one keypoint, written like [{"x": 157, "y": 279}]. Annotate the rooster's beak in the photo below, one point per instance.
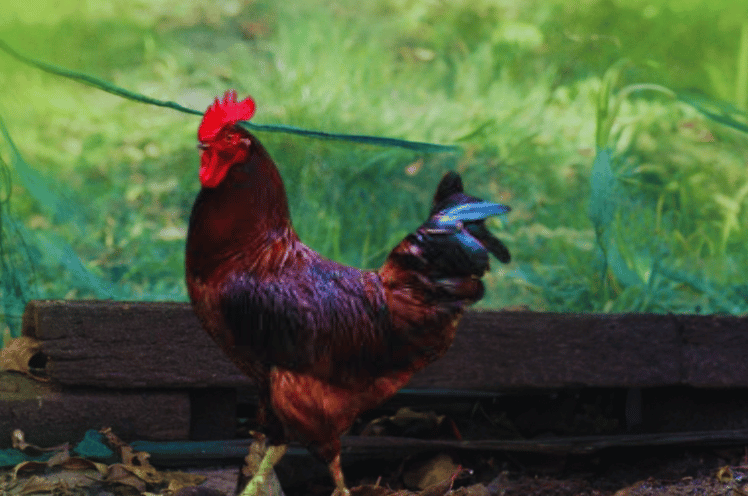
[{"x": 202, "y": 146}]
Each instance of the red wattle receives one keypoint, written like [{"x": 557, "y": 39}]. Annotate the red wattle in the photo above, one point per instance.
[{"x": 212, "y": 171}]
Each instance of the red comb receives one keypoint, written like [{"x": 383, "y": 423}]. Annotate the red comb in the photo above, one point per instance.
[{"x": 224, "y": 113}]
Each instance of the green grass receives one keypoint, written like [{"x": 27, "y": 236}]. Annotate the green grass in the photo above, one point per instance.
[{"x": 516, "y": 84}]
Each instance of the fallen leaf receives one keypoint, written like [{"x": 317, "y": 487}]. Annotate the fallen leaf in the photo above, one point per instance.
[
  {"x": 724, "y": 474},
  {"x": 18, "y": 438},
  {"x": 378, "y": 491},
  {"x": 256, "y": 452},
  {"x": 59, "y": 458},
  {"x": 118, "y": 474},
  {"x": 28, "y": 466},
  {"x": 445, "y": 487},
  {"x": 181, "y": 480},
  {"x": 60, "y": 477},
  {"x": 17, "y": 354},
  {"x": 81, "y": 464},
  {"x": 252, "y": 462},
  {"x": 136, "y": 470},
  {"x": 440, "y": 488},
  {"x": 474, "y": 490},
  {"x": 63, "y": 474},
  {"x": 198, "y": 491},
  {"x": 431, "y": 472},
  {"x": 410, "y": 423},
  {"x": 136, "y": 462},
  {"x": 37, "y": 484},
  {"x": 112, "y": 438}
]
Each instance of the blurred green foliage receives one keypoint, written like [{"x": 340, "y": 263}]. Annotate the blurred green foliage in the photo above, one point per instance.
[{"x": 623, "y": 200}]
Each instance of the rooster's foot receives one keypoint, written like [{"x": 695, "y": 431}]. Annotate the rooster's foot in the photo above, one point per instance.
[{"x": 336, "y": 472}]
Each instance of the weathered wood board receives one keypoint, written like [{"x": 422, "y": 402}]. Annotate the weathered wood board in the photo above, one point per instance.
[
  {"x": 50, "y": 415},
  {"x": 159, "y": 345},
  {"x": 387, "y": 447},
  {"x": 715, "y": 351},
  {"x": 501, "y": 350},
  {"x": 127, "y": 345}
]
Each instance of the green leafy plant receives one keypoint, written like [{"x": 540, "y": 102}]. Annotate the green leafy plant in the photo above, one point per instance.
[
  {"x": 625, "y": 196},
  {"x": 624, "y": 266}
]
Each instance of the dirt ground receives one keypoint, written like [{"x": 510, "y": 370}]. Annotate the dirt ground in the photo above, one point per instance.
[
  {"x": 632, "y": 471},
  {"x": 659, "y": 472}
]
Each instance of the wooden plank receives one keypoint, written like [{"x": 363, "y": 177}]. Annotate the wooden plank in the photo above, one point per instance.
[
  {"x": 127, "y": 345},
  {"x": 124, "y": 345},
  {"x": 715, "y": 352},
  {"x": 50, "y": 415},
  {"x": 368, "y": 448},
  {"x": 500, "y": 350},
  {"x": 213, "y": 413}
]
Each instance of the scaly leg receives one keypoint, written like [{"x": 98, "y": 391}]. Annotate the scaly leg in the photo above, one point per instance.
[
  {"x": 259, "y": 484},
  {"x": 337, "y": 475}
]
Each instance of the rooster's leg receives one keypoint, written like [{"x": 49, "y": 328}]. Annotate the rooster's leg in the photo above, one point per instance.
[
  {"x": 337, "y": 475},
  {"x": 261, "y": 479}
]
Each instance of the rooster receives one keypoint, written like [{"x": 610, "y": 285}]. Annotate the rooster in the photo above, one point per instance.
[{"x": 324, "y": 342}]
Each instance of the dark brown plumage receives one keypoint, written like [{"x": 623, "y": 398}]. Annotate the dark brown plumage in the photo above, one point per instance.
[{"x": 323, "y": 341}]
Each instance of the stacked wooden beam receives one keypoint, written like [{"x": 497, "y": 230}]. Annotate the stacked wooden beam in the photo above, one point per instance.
[{"x": 150, "y": 372}]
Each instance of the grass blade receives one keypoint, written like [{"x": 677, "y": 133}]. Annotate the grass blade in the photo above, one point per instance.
[
  {"x": 602, "y": 203},
  {"x": 721, "y": 112}
]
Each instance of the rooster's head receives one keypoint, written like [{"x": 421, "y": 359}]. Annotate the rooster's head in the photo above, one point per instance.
[{"x": 222, "y": 143}]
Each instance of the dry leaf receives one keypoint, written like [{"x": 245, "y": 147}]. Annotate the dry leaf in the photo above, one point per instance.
[
  {"x": 38, "y": 484},
  {"x": 28, "y": 466},
  {"x": 181, "y": 480},
  {"x": 59, "y": 458},
  {"x": 112, "y": 438},
  {"x": 120, "y": 475},
  {"x": 724, "y": 474},
  {"x": 431, "y": 472},
  {"x": 256, "y": 452},
  {"x": 445, "y": 487},
  {"x": 18, "y": 439},
  {"x": 17, "y": 353},
  {"x": 136, "y": 462},
  {"x": 81, "y": 464},
  {"x": 63, "y": 473},
  {"x": 474, "y": 490},
  {"x": 68, "y": 474},
  {"x": 252, "y": 462},
  {"x": 442, "y": 487},
  {"x": 378, "y": 491},
  {"x": 197, "y": 491},
  {"x": 136, "y": 469},
  {"x": 407, "y": 422}
]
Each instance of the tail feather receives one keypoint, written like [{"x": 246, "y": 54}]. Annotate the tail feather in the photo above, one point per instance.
[
  {"x": 467, "y": 212},
  {"x": 450, "y": 184},
  {"x": 455, "y": 239},
  {"x": 447, "y": 254},
  {"x": 491, "y": 242}
]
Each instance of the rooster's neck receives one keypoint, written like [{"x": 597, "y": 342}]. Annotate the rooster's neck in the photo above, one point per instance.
[{"x": 241, "y": 218}]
